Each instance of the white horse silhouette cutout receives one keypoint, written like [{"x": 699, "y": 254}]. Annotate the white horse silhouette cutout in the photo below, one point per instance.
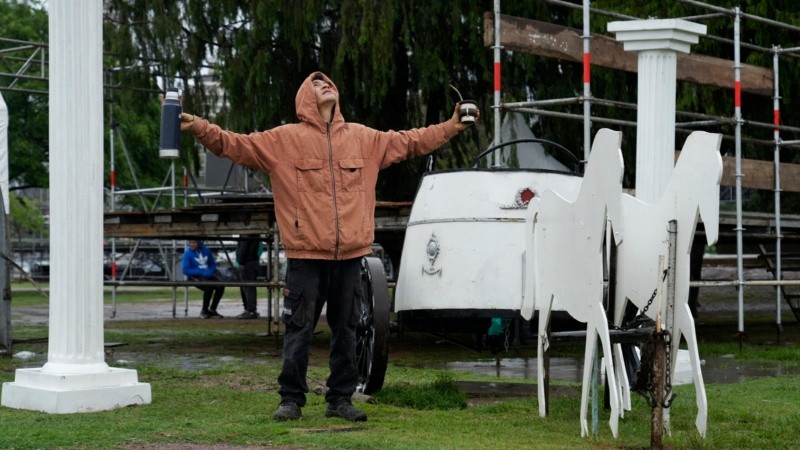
[
  {"x": 564, "y": 261},
  {"x": 691, "y": 193}
]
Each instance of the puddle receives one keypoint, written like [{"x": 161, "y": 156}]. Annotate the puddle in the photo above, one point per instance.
[
  {"x": 718, "y": 369},
  {"x": 566, "y": 369}
]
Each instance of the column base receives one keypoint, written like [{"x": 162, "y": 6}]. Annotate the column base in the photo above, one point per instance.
[{"x": 36, "y": 390}]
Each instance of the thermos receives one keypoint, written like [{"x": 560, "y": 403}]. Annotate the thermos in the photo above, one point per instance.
[{"x": 170, "y": 143}]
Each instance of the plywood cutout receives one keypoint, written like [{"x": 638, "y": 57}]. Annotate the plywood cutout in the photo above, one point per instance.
[
  {"x": 564, "y": 261},
  {"x": 692, "y": 193}
]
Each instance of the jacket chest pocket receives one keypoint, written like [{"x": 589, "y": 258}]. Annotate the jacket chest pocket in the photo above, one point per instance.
[
  {"x": 310, "y": 176},
  {"x": 352, "y": 174}
]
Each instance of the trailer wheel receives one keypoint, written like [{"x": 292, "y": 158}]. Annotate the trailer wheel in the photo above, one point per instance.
[{"x": 372, "y": 330}]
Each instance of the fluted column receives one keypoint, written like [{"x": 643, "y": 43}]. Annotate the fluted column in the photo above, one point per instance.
[
  {"x": 75, "y": 377},
  {"x": 655, "y": 122},
  {"x": 76, "y": 189},
  {"x": 657, "y": 42}
]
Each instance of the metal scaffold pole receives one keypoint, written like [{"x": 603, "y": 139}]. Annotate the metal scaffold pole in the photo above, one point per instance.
[
  {"x": 587, "y": 91},
  {"x": 497, "y": 50},
  {"x": 776, "y": 102},
  {"x": 112, "y": 178},
  {"x": 737, "y": 67}
]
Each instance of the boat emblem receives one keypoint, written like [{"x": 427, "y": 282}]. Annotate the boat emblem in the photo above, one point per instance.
[{"x": 432, "y": 252}]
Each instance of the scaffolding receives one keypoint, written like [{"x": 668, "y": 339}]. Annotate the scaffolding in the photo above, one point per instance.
[{"x": 689, "y": 121}]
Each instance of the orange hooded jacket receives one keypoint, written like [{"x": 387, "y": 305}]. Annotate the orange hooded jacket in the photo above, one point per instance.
[{"x": 323, "y": 175}]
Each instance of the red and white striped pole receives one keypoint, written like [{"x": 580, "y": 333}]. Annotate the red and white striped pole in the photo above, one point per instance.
[
  {"x": 112, "y": 179},
  {"x": 776, "y": 133},
  {"x": 737, "y": 103},
  {"x": 497, "y": 49},
  {"x": 185, "y": 186},
  {"x": 587, "y": 91}
]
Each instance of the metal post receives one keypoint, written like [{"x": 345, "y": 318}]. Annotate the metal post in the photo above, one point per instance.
[
  {"x": 497, "y": 49},
  {"x": 185, "y": 204},
  {"x": 594, "y": 390},
  {"x": 669, "y": 314},
  {"x": 172, "y": 257},
  {"x": 587, "y": 91},
  {"x": 776, "y": 106},
  {"x": 737, "y": 68},
  {"x": 276, "y": 274},
  {"x": 587, "y": 145},
  {"x": 659, "y": 364},
  {"x": 112, "y": 175},
  {"x": 5, "y": 285}
]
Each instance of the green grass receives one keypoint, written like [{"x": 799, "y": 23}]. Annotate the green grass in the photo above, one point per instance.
[
  {"x": 214, "y": 383},
  {"x": 26, "y": 294},
  {"x": 442, "y": 393}
]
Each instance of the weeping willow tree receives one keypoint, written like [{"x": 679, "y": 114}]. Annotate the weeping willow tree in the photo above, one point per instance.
[{"x": 393, "y": 62}]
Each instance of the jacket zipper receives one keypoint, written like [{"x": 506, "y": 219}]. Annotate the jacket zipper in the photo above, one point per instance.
[{"x": 333, "y": 188}]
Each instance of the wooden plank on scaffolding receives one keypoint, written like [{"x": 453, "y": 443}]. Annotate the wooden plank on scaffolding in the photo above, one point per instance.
[
  {"x": 758, "y": 174},
  {"x": 556, "y": 41}
]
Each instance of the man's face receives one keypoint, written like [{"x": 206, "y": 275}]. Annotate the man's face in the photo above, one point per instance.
[
  {"x": 326, "y": 96},
  {"x": 193, "y": 244}
]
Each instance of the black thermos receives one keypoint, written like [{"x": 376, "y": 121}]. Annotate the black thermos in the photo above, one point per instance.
[{"x": 170, "y": 143}]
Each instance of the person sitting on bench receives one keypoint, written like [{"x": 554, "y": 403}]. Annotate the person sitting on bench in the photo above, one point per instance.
[{"x": 198, "y": 265}]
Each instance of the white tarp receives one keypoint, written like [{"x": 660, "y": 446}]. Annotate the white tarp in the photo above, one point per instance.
[
  {"x": 531, "y": 155},
  {"x": 4, "y": 152}
]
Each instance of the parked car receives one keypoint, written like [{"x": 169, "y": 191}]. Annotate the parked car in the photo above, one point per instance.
[{"x": 139, "y": 265}]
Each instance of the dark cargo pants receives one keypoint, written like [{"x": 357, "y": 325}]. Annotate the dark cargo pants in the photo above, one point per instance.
[{"x": 309, "y": 285}]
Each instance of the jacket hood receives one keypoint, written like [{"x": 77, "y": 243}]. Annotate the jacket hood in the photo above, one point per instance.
[{"x": 306, "y": 103}]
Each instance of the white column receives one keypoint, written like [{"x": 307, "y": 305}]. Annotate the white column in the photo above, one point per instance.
[
  {"x": 5, "y": 303},
  {"x": 4, "y": 153},
  {"x": 75, "y": 377},
  {"x": 657, "y": 42}
]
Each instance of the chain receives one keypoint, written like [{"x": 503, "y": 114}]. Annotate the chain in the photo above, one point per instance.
[
  {"x": 642, "y": 317},
  {"x": 507, "y": 333},
  {"x": 645, "y": 389},
  {"x": 668, "y": 375},
  {"x": 649, "y": 302}
]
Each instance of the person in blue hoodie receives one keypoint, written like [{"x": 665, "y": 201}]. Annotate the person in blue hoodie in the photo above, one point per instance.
[{"x": 198, "y": 265}]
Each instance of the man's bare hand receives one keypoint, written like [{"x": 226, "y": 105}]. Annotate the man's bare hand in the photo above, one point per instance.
[
  {"x": 187, "y": 120},
  {"x": 456, "y": 119}
]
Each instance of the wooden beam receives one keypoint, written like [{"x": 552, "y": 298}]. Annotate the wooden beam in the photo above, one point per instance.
[
  {"x": 556, "y": 41},
  {"x": 758, "y": 174}
]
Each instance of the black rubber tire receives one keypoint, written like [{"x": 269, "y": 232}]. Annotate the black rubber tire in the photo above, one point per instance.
[{"x": 372, "y": 330}]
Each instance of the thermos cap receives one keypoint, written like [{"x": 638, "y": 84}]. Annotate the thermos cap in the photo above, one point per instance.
[{"x": 172, "y": 94}]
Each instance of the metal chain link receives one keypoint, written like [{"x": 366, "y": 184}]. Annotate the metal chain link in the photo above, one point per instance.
[
  {"x": 507, "y": 333},
  {"x": 668, "y": 375},
  {"x": 646, "y": 363}
]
